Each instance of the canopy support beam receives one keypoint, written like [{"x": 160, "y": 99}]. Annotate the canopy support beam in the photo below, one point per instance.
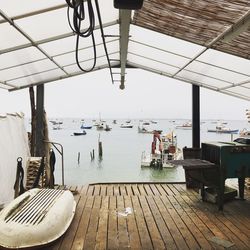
[
  {"x": 50, "y": 39},
  {"x": 215, "y": 40},
  {"x": 162, "y": 73},
  {"x": 195, "y": 116},
  {"x": 125, "y": 17}
]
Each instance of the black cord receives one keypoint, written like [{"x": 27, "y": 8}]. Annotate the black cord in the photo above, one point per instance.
[{"x": 79, "y": 15}]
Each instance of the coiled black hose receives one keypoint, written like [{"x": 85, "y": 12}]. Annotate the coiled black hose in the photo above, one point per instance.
[{"x": 79, "y": 15}]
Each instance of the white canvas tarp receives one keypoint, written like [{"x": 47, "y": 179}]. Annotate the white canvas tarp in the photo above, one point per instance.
[{"x": 13, "y": 144}]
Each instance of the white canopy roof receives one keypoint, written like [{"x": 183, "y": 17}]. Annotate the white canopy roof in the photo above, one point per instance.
[{"x": 37, "y": 46}]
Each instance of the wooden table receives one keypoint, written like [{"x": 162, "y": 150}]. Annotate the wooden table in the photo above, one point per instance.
[
  {"x": 207, "y": 174},
  {"x": 193, "y": 163}
]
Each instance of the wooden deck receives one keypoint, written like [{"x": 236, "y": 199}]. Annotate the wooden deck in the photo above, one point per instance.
[{"x": 164, "y": 216}]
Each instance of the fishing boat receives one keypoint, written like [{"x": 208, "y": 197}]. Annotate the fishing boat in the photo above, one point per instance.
[
  {"x": 80, "y": 133},
  {"x": 186, "y": 125},
  {"x": 36, "y": 218},
  {"x": 222, "y": 129},
  {"x": 167, "y": 150}
]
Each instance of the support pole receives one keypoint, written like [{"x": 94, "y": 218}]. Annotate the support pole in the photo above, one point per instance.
[
  {"x": 39, "y": 121},
  {"x": 33, "y": 121},
  {"x": 196, "y": 116}
]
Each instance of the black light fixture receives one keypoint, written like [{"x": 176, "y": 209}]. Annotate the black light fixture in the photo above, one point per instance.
[{"x": 128, "y": 4}]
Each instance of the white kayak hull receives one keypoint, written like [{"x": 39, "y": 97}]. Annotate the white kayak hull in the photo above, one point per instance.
[{"x": 36, "y": 218}]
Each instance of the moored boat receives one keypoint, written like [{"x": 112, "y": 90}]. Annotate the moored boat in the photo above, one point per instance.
[
  {"x": 101, "y": 125},
  {"x": 222, "y": 129},
  {"x": 144, "y": 130},
  {"x": 126, "y": 125},
  {"x": 85, "y": 127},
  {"x": 186, "y": 125},
  {"x": 80, "y": 133},
  {"x": 245, "y": 133},
  {"x": 107, "y": 128},
  {"x": 167, "y": 150}
]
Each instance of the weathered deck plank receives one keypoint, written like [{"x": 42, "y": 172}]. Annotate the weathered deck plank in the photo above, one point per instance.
[
  {"x": 134, "y": 238},
  {"x": 164, "y": 216},
  {"x": 112, "y": 224},
  {"x": 154, "y": 232},
  {"x": 123, "y": 238},
  {"x": 141, "y": 224},
  {"x": 201, "y": 240},
  {"x": 83, "y": 225},
  {"x": 163, "y": 229},
  {"x": 170, "y": 223},
  {"x": 101, "y": 237}
]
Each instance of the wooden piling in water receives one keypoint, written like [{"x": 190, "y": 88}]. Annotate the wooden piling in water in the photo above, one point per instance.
[
  {"x": 100, "y": 149},
  {"x": 92, "y": 155},
  {"x": 78, "y": 159}
]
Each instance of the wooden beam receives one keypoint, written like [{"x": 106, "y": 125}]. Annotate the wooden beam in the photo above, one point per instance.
[{"x": 39, "y": 120}]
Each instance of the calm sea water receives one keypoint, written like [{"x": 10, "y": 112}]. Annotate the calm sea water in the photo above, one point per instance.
[{"x": 122, "y": 149}]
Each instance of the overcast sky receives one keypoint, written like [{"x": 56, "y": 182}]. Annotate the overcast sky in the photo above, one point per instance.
[{"x": 146, "y": 95}]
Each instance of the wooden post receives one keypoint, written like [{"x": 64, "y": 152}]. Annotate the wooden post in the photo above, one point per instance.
[
  {"x": 33, "y": 121},
  {"x": 92, "y": 155},
  {"x": 39, "y": 121},
  {"x": 100, "y": 149}
]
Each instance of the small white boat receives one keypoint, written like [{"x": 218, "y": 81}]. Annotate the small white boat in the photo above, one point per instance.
[
  {"x": 36, "y": 218},
  {"x": 57, "y": 127},
  {"x": 126, "y": 125},
  {"x": 186, "y": 125},
  {"x": 222, "y": 129},
  {"x": 144, "y": 130},
  {"x": 101, "y": 125}
]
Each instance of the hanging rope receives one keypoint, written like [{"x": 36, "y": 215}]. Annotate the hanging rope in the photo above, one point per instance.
[{"x": 83, "y": 10}]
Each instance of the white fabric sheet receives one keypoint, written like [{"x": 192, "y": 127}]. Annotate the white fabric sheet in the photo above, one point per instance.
[{"x": 13, "y": 144}]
